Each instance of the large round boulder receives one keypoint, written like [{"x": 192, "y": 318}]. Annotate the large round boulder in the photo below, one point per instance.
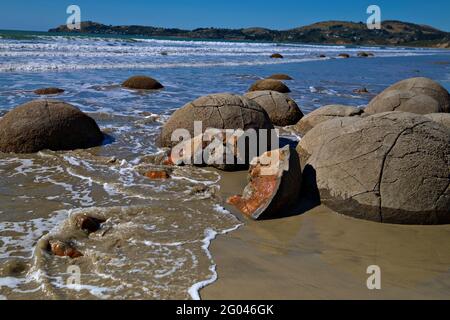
[
  {"x": 218, "y": 111},
  {"x": 47, "y": 124},
  {"x": 269, "y": 84},
  {"x": 441, "y": 118},
  {"x": 391, "y": 167},
  {"x": 282, "y": 110},
  {"x": 324, "y": 114},
  {"x": 142, "y": 83},
  {"x": 416, "y": 95}
]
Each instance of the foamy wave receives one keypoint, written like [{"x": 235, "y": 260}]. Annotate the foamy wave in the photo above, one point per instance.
[{"x": 34, "y": 67}]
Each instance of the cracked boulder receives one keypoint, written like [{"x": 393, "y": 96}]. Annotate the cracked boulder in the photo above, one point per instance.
[
  {"x": 415, "y": 95},
  {"x": 274, "y": 185},
  {"x": 282, "y": 110},
  {"x": 391, "y": 167},
  {"x": 324, "y": 114},
  {"x": 220, "y": 149},
  {"x": 217, "y": 111},
  {"x": 47, "y": 124}
]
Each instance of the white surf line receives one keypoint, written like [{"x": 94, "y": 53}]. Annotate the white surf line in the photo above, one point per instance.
[{"x": 194, "y": 291}]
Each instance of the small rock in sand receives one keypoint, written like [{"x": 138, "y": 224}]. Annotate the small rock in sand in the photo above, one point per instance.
[
  {"x": 63, "y": 249},
  {"x": 88, "y": 224},
  {"x": 157, "y": 175}
]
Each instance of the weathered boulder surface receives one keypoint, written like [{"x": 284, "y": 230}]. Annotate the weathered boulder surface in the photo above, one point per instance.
[
  {"x": 47, "y": 124},
  {"x": 324, "y": 114},
  {"x": 441, "y": 118},
  {"x": 391, "y": 167},
  {"x": 282, "y": 110},
  {"x": 269, "y": 84},
  {"x": 416, "y": 95},
  {"x": 142, "y": 83},
  {"x": 274, "y": 187}
]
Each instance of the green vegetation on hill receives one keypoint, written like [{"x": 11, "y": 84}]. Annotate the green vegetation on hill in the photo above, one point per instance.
[{"x": 330, "y": 32}]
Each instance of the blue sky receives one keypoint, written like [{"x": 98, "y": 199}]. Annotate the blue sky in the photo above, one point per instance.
[{"x": 188, "y": 14}]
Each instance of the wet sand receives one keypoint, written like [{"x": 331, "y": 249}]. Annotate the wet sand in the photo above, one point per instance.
[{"x": 323, "y": 255}]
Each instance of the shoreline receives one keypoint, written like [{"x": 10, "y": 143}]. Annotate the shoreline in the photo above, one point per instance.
[{"x": 323, "y": 255}]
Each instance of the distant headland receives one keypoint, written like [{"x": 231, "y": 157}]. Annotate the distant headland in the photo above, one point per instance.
[{"x": 392, "y": 33}]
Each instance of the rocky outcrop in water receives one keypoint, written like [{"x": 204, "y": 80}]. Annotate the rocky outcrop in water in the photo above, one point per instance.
[
  {"x": 142, "y": 83},
  {"x": 47, "y": 124},
  {"x": 48, "y": 91},
  {"x": 282, "y": 110},
  {"x": 391, "y": 167}
]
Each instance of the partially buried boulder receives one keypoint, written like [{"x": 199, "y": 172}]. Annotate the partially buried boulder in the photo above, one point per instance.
[
  {"x": 280, "y": 76},
  {"x": 276, "y": 56},
  {"x": 324, "y": 114},
  {"x": 142, "y": 83},
  {"x": 282, "y": 110},
  {"x": 390, "y": 167},
  {"x": 269, "y": 84},
  {"x": 364, "y": 54},
  {"x": 217, "y": 111},
  {"x": 47, "y": 124},
  {"x": 274, "y": 187},
  {"x": 344, "y": 55},
  {"x": 48, "y": 91},
  {"x": 416, "y": 95}
]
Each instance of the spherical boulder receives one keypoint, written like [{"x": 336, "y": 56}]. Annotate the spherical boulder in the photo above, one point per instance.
[
  {"x": 47, "y": 124},
  {"x": 48, "y": 91},
  {"x": 324, "y": 114},
  {"x": 282, "y": 110},
  {"x": 416, "y": 95},
  {"x": 280, "y": 76},
  {"x": 441, "y": 118},
  {"x": 269, "y": 84},
  {"x": 218, "y": 111},
  {"x": 142, "y": 83},
  {"x": 391, "y": 167}
]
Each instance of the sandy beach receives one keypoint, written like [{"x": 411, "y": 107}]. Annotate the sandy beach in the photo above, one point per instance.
[{"x": 323, "y": 255}]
